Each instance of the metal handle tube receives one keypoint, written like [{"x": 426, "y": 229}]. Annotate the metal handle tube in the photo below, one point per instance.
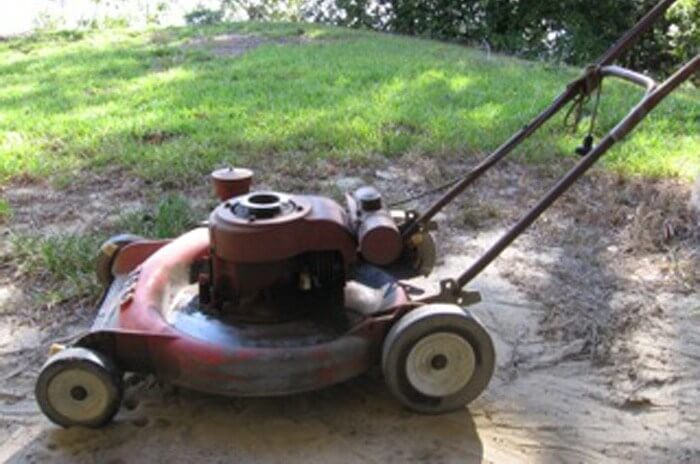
[
  {"x": 649, "y": 102},
  {"x": 631, "y": 76}
]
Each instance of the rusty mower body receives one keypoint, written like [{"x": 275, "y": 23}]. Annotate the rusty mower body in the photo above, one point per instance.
[{"x": 283, "y": 293}]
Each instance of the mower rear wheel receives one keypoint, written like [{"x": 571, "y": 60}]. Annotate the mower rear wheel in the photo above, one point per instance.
[
  {"x": 437, "y": 358},
  {"x": 107, "y": 254},
  {"x": 78, "y": 386}
]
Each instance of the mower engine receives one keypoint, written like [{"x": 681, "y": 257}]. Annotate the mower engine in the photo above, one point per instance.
[{"x": 276, "y": 256}]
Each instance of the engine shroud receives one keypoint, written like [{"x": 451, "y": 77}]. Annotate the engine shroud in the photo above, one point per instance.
[{"x": 273, "y": 254}]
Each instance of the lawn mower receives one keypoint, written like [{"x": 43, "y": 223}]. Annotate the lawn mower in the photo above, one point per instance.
[{"x": 281, "y": 293}]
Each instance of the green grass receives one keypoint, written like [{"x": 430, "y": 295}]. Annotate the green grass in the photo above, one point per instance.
[
  {"x": 172, "y": 216},
  {"x": 170, "y": 111},
  {"x": 5, "y": 210},
  {"x": 62, "y": 266}
]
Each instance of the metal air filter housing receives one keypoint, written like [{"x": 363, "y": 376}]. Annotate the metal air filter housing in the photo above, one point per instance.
[{"x": 266, "y": 206}]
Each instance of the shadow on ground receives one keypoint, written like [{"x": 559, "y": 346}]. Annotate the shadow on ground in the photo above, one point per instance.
[{"x": 354, "y": 422}]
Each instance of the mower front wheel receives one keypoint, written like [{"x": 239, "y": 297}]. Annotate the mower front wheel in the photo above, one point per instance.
[
  {"x": 437, "y": 358},
  {"x": 78, "y": 386}
]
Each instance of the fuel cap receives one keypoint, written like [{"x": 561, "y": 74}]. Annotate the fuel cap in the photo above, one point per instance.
[{"x": 369, "y": 198}]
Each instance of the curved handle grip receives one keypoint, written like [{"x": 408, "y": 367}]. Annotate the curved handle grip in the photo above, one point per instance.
[{"x": 631, "y": 76}]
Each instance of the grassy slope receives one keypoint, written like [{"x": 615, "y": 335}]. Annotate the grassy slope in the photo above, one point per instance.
[{"x": 165, "y": 109}]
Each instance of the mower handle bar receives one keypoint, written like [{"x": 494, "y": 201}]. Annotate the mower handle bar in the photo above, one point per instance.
[{"x": 584, "y": 85}]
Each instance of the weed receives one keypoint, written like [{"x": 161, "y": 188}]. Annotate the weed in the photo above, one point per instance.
[
  {"x": 62, "y": 266},
  {"x": 171, "y": 216},
  {"x": 5, "y": 211}
]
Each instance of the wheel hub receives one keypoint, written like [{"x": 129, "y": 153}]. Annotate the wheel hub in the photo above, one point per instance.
[
  {"x": 440, "y": 364},
  {"x": 78, "y": 395}
]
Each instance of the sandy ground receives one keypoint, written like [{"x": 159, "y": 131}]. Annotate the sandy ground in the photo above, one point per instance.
[{"x": 595, "y": 314}]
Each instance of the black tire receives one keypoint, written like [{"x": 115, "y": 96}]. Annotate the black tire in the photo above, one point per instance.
[
  {"x": 78, "y": 386},
  {"x": 437, "y": 358},
  {"x": 107, "y": 253}
]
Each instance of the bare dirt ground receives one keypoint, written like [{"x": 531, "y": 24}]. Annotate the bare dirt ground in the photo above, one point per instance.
[
  {"x": 595, "y": 314},
  {"x": 232, "y": 45}
]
